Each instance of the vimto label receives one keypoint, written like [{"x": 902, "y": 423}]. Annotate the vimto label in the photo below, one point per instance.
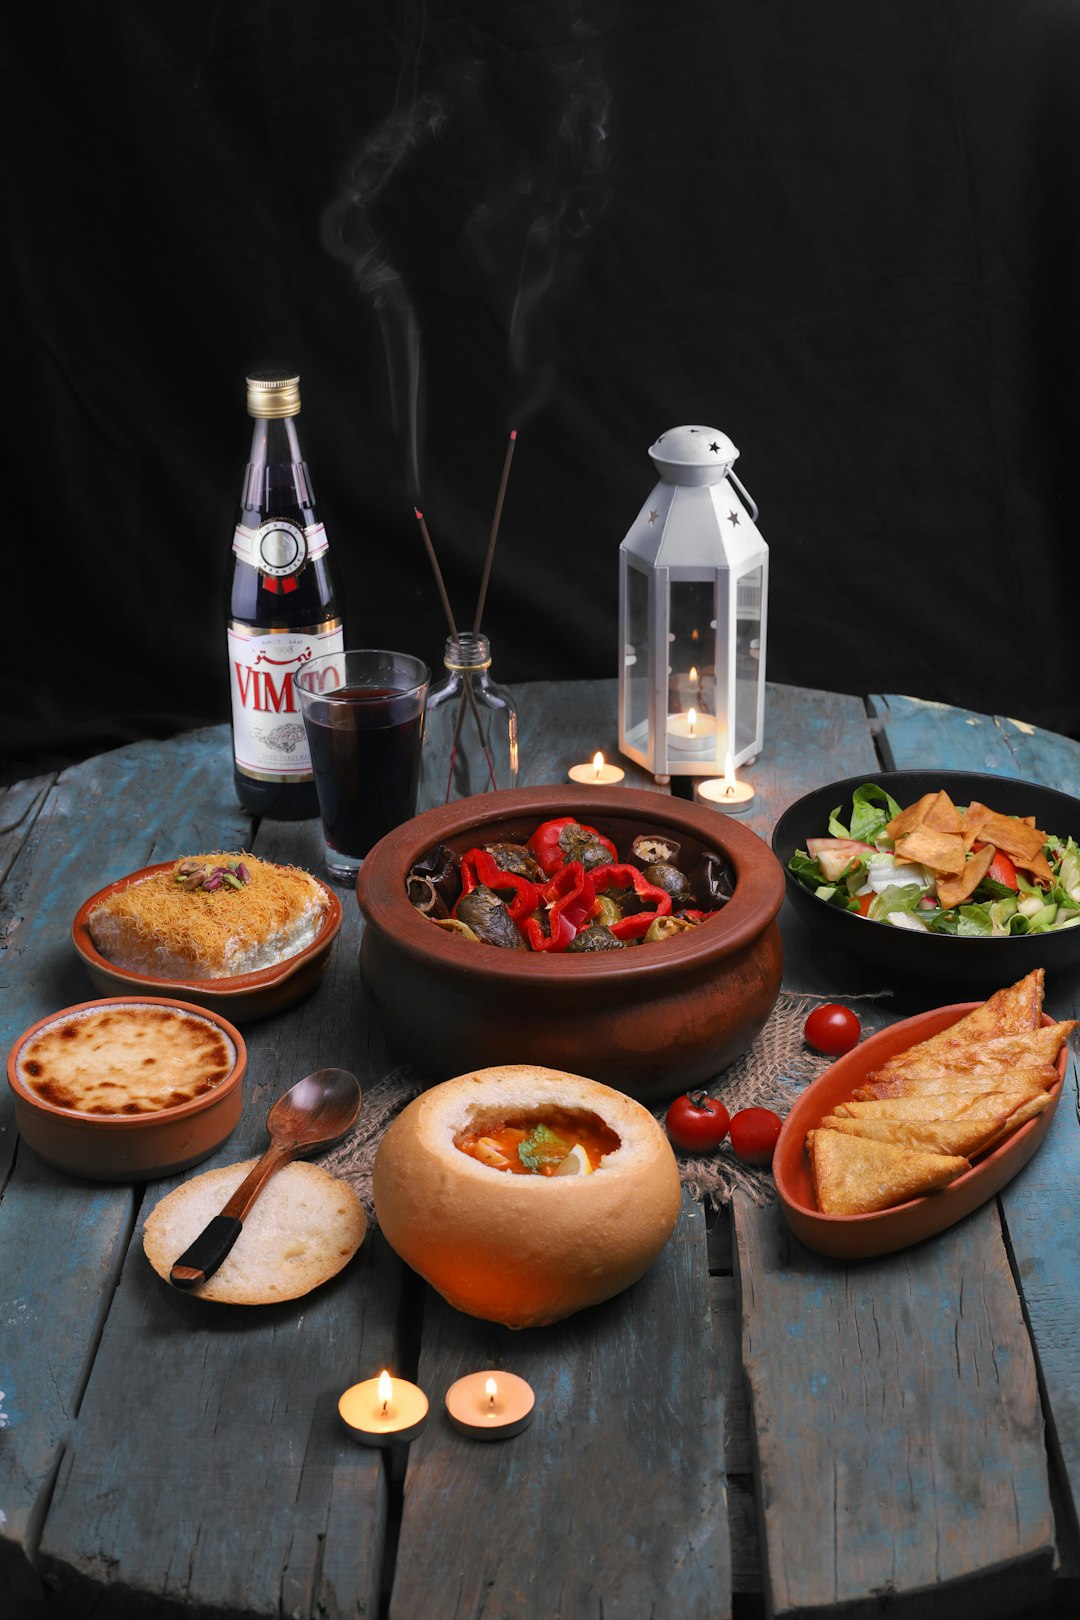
[{"x": 268, "y": 732}]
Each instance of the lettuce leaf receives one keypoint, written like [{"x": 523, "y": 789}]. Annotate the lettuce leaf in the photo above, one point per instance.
[{"x": 872, "y": 808}]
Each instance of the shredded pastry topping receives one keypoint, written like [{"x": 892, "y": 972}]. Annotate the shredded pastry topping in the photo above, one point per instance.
[{"x": 164, "y": 924}]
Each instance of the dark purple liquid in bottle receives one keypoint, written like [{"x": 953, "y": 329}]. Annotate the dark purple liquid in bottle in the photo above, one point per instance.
[{"x": 365, "y": 752}]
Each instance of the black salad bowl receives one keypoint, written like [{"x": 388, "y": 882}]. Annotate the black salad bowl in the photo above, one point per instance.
[{"x": 960, "y": 967}]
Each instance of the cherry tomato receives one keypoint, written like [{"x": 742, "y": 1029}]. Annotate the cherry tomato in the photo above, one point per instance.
[
  {"x": 832, "y": 1029},
  {"x": 696, "y": 1123},
  {"x": 753, "y": 1134}
]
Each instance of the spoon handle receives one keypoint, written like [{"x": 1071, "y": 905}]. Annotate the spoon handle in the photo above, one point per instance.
[{"x": 203, "y": 1257}]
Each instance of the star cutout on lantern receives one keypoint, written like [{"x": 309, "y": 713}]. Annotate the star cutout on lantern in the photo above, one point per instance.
[
  {"x": 715, "y": 448},
  {"x": 733, "y": 519},
  {"x": 653, "y": 516}
]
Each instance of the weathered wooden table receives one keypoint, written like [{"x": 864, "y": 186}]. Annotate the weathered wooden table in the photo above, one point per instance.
[{"x": 750, "y": 1429}]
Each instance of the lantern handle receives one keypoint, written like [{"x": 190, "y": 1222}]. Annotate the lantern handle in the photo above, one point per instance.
[{"x": 746, "y": 495}]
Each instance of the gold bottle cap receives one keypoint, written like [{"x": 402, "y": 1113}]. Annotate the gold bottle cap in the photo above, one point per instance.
[{"x": 273, "y": 393}]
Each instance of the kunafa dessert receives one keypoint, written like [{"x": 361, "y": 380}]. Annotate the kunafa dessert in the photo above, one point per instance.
[{"x": 209, "y": 917}]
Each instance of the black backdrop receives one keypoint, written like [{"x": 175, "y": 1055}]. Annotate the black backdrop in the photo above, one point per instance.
[{"x": 843, "y": 231}]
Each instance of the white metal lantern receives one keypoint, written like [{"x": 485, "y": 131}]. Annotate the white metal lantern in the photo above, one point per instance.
[{"x": 693, "y": 588}]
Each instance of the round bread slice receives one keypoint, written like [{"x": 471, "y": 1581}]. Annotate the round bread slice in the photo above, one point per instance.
[{"x": 303, "y": 1228}]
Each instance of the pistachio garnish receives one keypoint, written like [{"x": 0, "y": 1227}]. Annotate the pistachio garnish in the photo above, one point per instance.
[{"x": 192, "y": 875}]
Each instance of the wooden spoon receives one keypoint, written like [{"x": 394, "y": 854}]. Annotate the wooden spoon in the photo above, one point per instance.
[{"x": 315, "y": 1113}]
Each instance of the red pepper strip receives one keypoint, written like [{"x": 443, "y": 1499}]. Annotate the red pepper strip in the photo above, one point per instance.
[
  {"x": 561, "y": 934},
  {"x": 571, "y": 894},
  {"x": 656, "y": 902},
  {"x": 477, "y": 866},
  {"x": 545, "y": 845},
  {"x": 569, "y": 900},
  {"x": 697, "y": 916}
]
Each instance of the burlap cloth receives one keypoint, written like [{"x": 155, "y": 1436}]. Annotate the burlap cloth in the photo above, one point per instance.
[{"x": 772, "y": 1074}]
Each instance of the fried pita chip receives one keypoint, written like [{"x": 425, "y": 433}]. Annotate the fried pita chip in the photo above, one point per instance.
[
  {"x": 953, "y": 890},
  {"x": 1037, "y": 868},
  {"x": 941, "y": 850},
  {"x": 912, "y": 817},
  {"x": 943, "y": 816},
  {"x": 965, "y": 1137},
  {"x": 855, "y": 1176},
  {"x": 1009, "y": 833}
]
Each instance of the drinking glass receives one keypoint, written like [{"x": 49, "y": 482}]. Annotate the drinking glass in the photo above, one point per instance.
[{"x": 363, "y": 713}]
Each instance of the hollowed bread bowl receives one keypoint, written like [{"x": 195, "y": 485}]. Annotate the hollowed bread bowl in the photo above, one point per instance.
[{"x": 524, "y": 1250}]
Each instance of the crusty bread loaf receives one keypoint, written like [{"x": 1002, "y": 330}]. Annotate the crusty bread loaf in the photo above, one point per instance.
[
  {"x": 523, "y": 1250},
  {"x": 302, "y": 1229}
]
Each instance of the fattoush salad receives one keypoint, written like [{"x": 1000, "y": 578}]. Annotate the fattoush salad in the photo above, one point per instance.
[{"x": 941, "y": 868}]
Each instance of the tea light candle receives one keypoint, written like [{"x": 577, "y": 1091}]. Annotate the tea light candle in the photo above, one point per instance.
[
  {"x": 383, "y": 1411},
  {"x": 598, "y": 774},
  {"x": 726, "y": 792},
  {"x": 692, "y": 733},
  {"x": 490, "y": 1405}
]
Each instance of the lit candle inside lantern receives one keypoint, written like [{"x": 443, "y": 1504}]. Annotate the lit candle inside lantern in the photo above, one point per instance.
[
  {"x": 490, "y": 1405},
  {"x": 383, "y": 1411},
  {"x": 692, "y": 732},
  {"x": 726, "y": 792},
  {"x": 598, "y": 774}
]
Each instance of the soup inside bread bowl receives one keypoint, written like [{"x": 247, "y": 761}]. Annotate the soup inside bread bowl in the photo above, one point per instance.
[{"x": 520, "y": 1246}]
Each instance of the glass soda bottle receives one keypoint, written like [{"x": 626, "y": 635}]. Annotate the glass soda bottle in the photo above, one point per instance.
[
  {"x": 282, "y": 607},
  {"x": 470, "y": 728}
]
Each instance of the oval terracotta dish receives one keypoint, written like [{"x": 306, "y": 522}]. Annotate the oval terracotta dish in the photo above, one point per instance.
[
  {"x": 859, "y": 1237},
  {"x": 651, "y": 1020},
  {"x": 130, "y": 1147},
  {"x": 246, "y": 996}
]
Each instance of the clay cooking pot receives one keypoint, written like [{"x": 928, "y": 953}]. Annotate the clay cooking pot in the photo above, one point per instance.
[{"x": 651, "y": 1020}]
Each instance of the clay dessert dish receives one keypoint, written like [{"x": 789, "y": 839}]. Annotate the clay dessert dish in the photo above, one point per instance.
[
  {"x": 652, "y": 1020},
  {"x": 245, "y": 996},
  {"x": 127, "y": 1089}
]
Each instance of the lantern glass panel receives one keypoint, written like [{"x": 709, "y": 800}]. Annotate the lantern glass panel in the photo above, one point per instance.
[
  {"x": 691, "y": 665},
  {"x": 748, "y": 593},
  {"x": 636, "y": 655}
]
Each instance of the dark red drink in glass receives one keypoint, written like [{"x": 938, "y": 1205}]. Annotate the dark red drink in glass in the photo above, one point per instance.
[{"x": 363, "y": 714}]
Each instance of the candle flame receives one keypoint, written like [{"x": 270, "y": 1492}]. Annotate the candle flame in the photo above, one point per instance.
[
  {"x": 491, "y": 1389},
  {"x": 693, "y": 673},
  {"x": 386, "y": 1392},
  {"x": 692, "y": 720},
  {"x": 597, "y": 765},
  {"x": 729, "y": 774}
]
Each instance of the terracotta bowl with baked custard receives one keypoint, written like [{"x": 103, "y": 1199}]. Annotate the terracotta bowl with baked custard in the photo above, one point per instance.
[
  {"x": 651, "y": 1020},
  {"x": 129, "y": 1088}
]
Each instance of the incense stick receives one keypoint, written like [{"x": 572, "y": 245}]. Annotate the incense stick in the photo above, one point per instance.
[
  {"x": 467, "y": 693},
  {"x": 504, "y": 480}
]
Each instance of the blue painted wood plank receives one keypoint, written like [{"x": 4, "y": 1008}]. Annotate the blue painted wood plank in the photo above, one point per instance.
[
  {"x": 1043, "y": 1225},
  {"x": 612, "y": 1502},
  {"x": 915, "y": 733},
  {"x": 896, "y": 1426},
  {"x": 62, "y": 1241}
]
